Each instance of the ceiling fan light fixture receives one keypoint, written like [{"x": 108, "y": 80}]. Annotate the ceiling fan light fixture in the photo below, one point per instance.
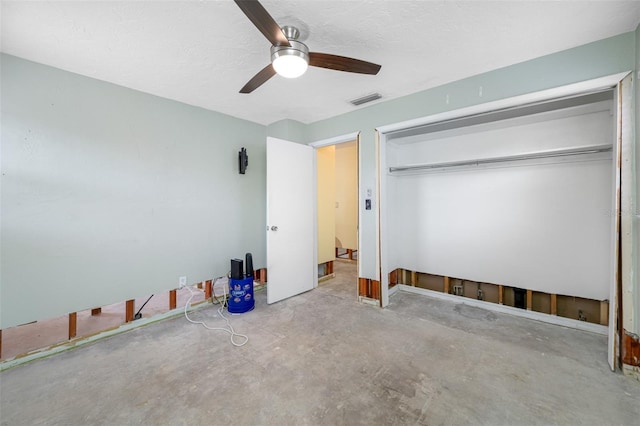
[
  {"x": 290, "y": 57},
  {"x": 290, "y": 61},
  {"x": 290, "y": 66}
]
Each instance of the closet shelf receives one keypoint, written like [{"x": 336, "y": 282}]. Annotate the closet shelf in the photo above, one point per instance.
[{"x": 593, "y": 149}]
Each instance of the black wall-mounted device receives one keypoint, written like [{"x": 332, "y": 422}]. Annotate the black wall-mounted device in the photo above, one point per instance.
[{"x": 243, "y": 161}]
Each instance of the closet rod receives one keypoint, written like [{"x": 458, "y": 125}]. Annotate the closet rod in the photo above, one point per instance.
[{"x": 595, "y": 149}]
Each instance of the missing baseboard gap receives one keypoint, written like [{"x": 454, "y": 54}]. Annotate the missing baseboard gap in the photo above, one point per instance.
[
  {"x": 326, "y": 277},
  {"x": 573, "y": 307},
  {"x": 83, "y": 340},
  {"x": 524, "y": 313},
  {"x": 369, "y": 301}
]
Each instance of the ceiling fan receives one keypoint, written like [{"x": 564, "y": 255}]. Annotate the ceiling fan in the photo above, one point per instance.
[{"x": 290, "y": 57}]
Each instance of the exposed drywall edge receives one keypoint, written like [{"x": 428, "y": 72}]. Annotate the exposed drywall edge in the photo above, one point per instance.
[
  {"x": 81, "y": 341},
  {"x": 537, "y": 316}
]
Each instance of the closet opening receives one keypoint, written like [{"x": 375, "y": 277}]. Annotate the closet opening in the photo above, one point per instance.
[{"x": 512, "y": 206}]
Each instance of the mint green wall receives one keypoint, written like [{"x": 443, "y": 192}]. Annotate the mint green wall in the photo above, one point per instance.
[
  {"x": 110, "y": 194},
  {"x": 290, "y": 130},
  {"x": 601, "y": 58}
]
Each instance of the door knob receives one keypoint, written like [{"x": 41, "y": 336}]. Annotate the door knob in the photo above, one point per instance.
[{"x": 274, "y": 228}]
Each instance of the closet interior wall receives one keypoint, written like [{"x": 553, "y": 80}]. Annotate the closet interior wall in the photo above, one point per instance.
[{"x": 541, "y": 225}]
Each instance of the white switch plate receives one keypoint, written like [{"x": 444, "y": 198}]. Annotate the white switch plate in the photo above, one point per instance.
[{"x": 182, "y": 282}]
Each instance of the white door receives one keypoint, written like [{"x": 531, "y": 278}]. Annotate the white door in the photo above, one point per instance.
[{"x": 291, "y": 219}]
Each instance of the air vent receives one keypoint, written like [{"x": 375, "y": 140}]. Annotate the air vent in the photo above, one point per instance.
[{"x": 365, "y": 99}]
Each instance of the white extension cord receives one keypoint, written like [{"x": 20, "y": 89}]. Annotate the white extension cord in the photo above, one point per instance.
[{"x": 229, "y": 329}]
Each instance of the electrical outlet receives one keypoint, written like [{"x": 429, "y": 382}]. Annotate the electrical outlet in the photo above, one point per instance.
[{"x": 182, "y": 282}]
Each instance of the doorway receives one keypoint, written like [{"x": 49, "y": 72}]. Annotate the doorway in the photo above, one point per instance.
[{"x": 337, "y": 189}]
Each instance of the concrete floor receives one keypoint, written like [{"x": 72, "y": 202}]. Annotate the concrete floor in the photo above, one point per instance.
[{"x": 322, "y": 358}]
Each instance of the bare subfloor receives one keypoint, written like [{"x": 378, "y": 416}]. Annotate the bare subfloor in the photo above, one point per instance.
[{"x": 322, "y": 358}]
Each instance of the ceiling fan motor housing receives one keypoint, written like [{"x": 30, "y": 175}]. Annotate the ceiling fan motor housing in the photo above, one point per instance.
[
  {"x": 297, "y": 48},
  {"x": 290, "y": 61}
]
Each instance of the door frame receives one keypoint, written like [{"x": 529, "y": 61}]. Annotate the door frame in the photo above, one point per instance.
[
  {"x": 337, "y": 140},
  {"x": 613, "y": 82}
]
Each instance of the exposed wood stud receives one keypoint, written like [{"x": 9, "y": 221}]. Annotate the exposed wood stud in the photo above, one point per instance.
[
  {"x": 129, "y": 310},
  {"x": 330, "y": 267},
  {"x": 447, "y": 284},
  {"x": 350, "y": 253},
  {"x": 200, "y": 285},
  {"x": 529, "y": 299},
  {"x": 172, "y": 299},
  {"x": 630, "y": 349},
  {"x": 500, "y": 294},
  {"x": 263, "y": 275},
  {"x": 375, "y": 289},
  {"x": 554, "y": 304},
  {"x": 337, "y": 252},
  {"x": 362, "y": 287},
  {"x": 96, "y": 311},
  {"x": 393, "y": 277},
  {"x": 414, "y": 278},
  {"x": 73, "y": 325},
  {"x": 604, "y": 312},
  {"x": 208, "y": 289},
  {"x": 0, "y": 343}
]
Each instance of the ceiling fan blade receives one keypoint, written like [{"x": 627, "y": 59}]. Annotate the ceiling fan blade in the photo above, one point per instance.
[
  {"x": 263, "y": 21},
  {"x": 342, "y": 63},
  {"x": 259, "y": 79}
]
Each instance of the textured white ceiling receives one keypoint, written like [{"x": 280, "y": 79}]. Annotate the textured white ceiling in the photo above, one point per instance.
[{"x": 203, "y": 52}]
